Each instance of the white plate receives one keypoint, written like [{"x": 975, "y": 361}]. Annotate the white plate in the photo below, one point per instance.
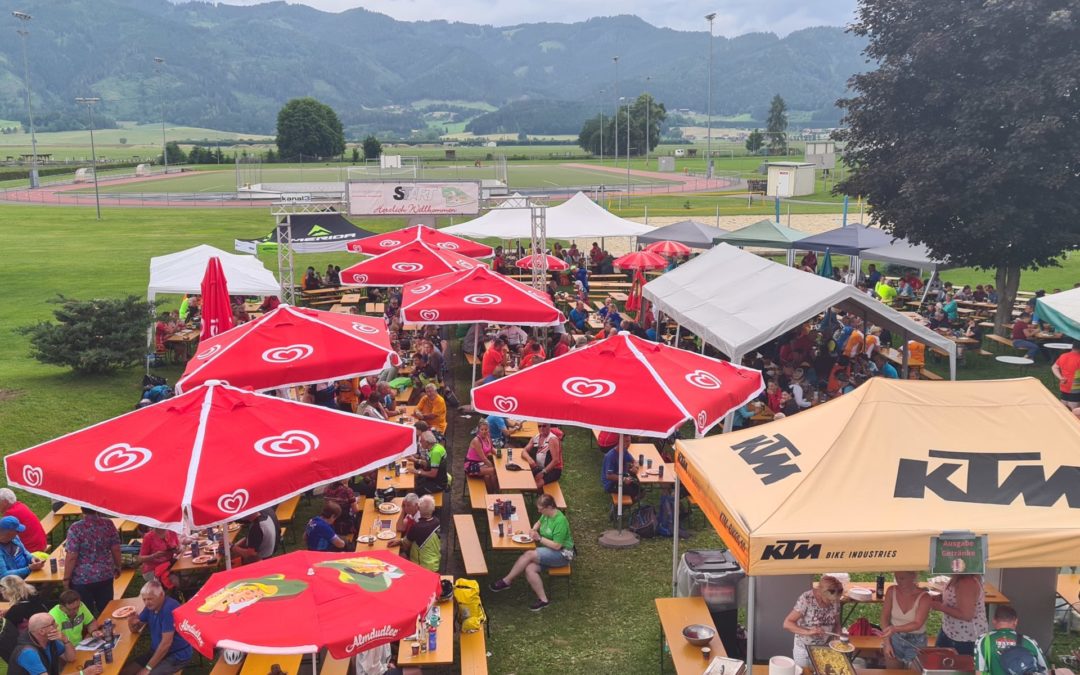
[
  {"x": 123, "y": 612},
  {"x": 389, "y": 508},
  {"x": 522, "y": 538},
  {"x": 365, "y": 539},
  {"x": 386, "y": 535}
]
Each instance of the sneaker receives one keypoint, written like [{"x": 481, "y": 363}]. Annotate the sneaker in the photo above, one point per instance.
[
  {"x": 538, "y": 605},
  {"x": 499, "y": 585}
]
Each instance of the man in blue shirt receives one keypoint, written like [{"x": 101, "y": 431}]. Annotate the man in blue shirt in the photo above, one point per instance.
[
  {"x": 320, "y": 534},
  {"x": 169, "y": 652},
  {"x": 582, "y": 275},
  {"x": 498, "y": 428},
  {"x": 579, "y": 316},
  {"x": 14, "y": 558},
  {"x": 884, "y": 367},
  {"x": 609, "y": 476},
  {"x": 43, "y": 650}
]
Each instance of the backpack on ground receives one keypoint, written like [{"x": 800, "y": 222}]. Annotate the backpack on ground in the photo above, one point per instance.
[
  {"x": 470, "y": 611},
  {"x": 643, "y": 522}
]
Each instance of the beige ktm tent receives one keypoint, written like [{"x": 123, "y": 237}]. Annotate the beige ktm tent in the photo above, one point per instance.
[{"x": 861, "y": 483}]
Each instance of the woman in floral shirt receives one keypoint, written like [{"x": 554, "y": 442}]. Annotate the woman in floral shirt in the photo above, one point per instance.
[
  {"x": 93, "y": 560},
  {"x": 816, "y": 613}
]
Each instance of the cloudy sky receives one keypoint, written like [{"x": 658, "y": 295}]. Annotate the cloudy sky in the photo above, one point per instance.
[{"x": 734, "y": 17}]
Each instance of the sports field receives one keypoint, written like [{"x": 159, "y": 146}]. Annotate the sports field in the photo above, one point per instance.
[{"x": 521, "y": 176}]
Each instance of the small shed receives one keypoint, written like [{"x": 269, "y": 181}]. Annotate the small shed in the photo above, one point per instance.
[{"x": 790, "y": 179}]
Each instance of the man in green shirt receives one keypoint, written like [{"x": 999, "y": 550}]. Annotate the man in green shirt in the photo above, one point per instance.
[
  {"x": 73, "y": 617},
  {"x": 431, "y": 472},
  {"x": 1004, "y": 636}
]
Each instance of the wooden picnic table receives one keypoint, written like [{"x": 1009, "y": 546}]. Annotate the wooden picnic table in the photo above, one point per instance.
[
  {"x": 185, "y": 562},
  {"x": 342, "y": 309},
  {"x": 124, "y": 645},
  {"x": 353, "y": 298},
  {"x": 185, "y": 336},
  {"x": 406, "y": 482},
  {"x": 444, "y": 640},
  {"x": 526, "y": 431},
  {"x": 252, "y": 306},
  {"x": 404, "y": 415},
  {"x": 44, "y": 575},
  {"x": 676, "y": 614},
  {"x": 260, "y": 664},
  {"x": 992, "y": 594},
  {"x": 370, "y": 517},
  {"x": 323, "y": 291},
  {"x": 286, "y": 510},
  {"x": 331, "y": 666},
  {"x": 510, "y": 527},
  {"x": 652, "y": 477},
  {"x": 618, "y": 296},
  {"x": 513, "y": 480}
]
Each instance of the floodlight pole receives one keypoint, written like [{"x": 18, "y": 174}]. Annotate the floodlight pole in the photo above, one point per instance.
[
  {"x": 708, "y": 137},
  {"x": 23, "y": 34},
  {"x": 615, "y": 153},
  {"x": 90, "y": 102},
  {"x": 648, "y": 129},
  {"x": 601, "y": 127},
  {"x": 628, "y": 150},
  {"x": 158, "y": 64}
]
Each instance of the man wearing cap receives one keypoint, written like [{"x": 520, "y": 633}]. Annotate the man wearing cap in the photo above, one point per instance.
[
  {"x": 34, "y": 537},
  {"x": 14, "y": 558},
  {"x": 1067, "y": 370}
]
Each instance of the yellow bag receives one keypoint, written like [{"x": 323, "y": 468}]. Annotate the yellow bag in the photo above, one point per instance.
[{"x": 470, "y": 610}]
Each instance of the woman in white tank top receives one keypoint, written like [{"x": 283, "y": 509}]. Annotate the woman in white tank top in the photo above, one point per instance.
[{"x": 903, "y": 620}]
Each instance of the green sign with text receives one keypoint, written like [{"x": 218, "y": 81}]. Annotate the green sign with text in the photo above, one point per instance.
[{"x": 958, "y": 553}]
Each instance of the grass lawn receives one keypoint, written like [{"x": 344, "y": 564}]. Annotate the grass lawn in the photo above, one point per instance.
[{"x": 607, "y": 622}]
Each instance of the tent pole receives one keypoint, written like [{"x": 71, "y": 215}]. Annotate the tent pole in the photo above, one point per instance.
[
  {"x": 952, "y": 363},
  {"x": 904, "y": 356},
  {"x": 675, "y": 540},
  {"x": 315, "y": 663},
  {"x": 475, "y": 348},
  {"x": 225, "y": 539},
  {"x": 791, "y": 257},
  {"x": 926, "y": 288},
  {"x": 750, "y": 612}
]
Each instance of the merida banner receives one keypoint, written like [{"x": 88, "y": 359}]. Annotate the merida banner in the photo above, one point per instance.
[{"x": 414, "y": 199}]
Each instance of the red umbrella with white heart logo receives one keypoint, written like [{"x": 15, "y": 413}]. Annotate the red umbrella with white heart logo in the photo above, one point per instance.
[
  {"x": 478, "y": 295},
  {"x": 381, "y": 243},
  {"x": 211, "y": 455},
  {"x": 290, "y": 346},
  {"x": 626, "y": 385},
  {"x": 411, "y": 262}
]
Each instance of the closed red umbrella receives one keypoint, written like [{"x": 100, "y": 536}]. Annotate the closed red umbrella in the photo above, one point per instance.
[
  {"x": 399, "y": 266},
  {"x": 381, "y": 243},
  {"x": 626, "y": 385},
  {"x": 289, "y": 346},
  {"x": 641, "y": 260},
  {"x": 305, "y": 601},
  {"x": 211, "y": 455},
  {"x": 217, "y": 316},
  {"x": 668, "y": 248},
  {"x": 533, "y": 261}
]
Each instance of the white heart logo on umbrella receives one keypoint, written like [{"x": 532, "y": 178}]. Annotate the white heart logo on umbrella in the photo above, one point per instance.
[
  {"x": 464, "y": 264},
  {"x": 583, "y": 387},
  {"x": 703, "y": 380},
  {"x": 359, "y": 278},
  {"x": 448, "y": 245},
  {"x": 364, "y": 328},
  {"x": 407, "y": 267},
  {"x": 702, "y": 419},
  {"x": 233, "y": 502},
  {"x": 389, "y": 243},
  {"x": 287, "y": 354},
  {"x": 291, "y": 443},
  {"x": 482, "y": 299},
  {"x": 429, "y": 314},
  {"x": 202, "y": 356},
  {"x": 121, "y": 458},
  {"x": 422, "y": 288},
  {"x": 506, "y": 404},
  {"x": 32, "y": 475}
]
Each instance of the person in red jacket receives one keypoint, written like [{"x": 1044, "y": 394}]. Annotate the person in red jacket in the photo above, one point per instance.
[{"x": 33, "y": 538}]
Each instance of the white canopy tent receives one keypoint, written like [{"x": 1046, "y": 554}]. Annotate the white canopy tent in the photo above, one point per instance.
[
  {"x": 182, "y": 272},
  {"x": 737, "y": 301},
  {"x": 902, "y": 252},
  {"x": 578, "y": 217}
]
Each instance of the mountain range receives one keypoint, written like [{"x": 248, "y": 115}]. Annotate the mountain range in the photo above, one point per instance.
[{"x": 232, "y": 67}]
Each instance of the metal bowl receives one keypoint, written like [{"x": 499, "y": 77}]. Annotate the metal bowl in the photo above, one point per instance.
[{"x": 698, "y": 634}]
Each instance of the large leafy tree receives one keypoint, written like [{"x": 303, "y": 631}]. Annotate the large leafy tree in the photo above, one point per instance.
[
  {"x": 644, "y": 111},
  {"x": 776, "y": 126},
  {"x": 966, "y": 137},
  {"x": 306, "y": 127},
  {"x": 372, "y": 148},
  {"x": 92, "y": 337}
]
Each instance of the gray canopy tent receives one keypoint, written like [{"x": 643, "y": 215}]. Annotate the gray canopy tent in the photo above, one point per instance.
[{"x": 689, "y": 232}]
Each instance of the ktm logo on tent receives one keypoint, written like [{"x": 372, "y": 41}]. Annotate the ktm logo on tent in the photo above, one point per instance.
[
  {"x": 319, "y": 231},
  {"x": 985, "y": 485},
  {"x": 791, "y": 549},
  {"x": 771, "y": 458}
]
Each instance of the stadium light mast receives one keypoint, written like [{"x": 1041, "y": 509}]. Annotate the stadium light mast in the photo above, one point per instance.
[
  {"x": 24, "y": 33},
  {"x": 627, "y": 99},
  {"x": 159, "y": 64},
  {"x": 708, "y": 142},
  {"x": 601, "y": 127},
  {"x": 615, "y": 152},
  {"x": 90, "y": 102},
  {"x": 648, "y": 129}
]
